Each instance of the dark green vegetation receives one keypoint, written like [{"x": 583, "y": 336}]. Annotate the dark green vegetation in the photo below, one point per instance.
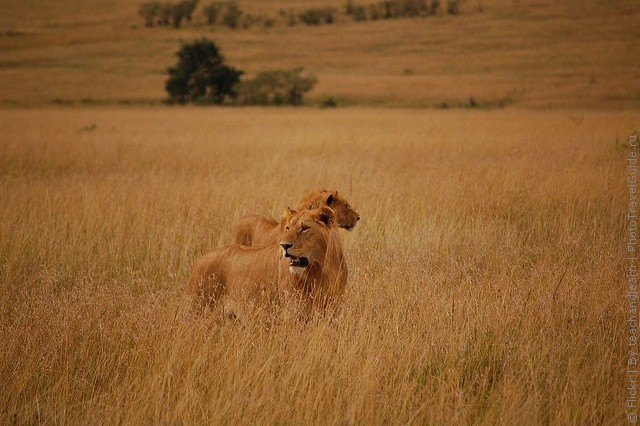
[
  {"x": 230, "y": 14},
  {"x": 201, "y": 76}
]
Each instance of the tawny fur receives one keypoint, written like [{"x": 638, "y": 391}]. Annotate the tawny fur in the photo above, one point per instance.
[
  {"x": 241, "y": 280},
  {"x": 257, "y": 230},
  {"x": 320, "y": 288},
  {"x": 237, "y": 280}
]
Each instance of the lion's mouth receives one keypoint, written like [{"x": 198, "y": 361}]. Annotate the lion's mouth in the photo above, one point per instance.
[
  {"x": 348, "y": 227},
  {"x": 299, "y": 262}
]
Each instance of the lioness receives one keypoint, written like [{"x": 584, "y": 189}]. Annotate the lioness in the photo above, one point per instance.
[
  {"x": 257, "y": 230},
  {"x": 307, "y": 271}
]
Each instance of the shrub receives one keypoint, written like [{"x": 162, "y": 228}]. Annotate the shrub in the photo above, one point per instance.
[
  {"x": 211, "y": 12},
  {"x": 318, "y": 16},
  {"x": 149, "y": 11},
  {"x": 189, "y": 6},
  {"x": 268, "y": 22},
  {"x": 405, "y": 8},
  {"x": 435, "y": 6},
  {"x": 414, "y": 8},
  {"x": 348, "y": 9},
  {"x": 201, "y": 75},
  {"x": 178, "y": 13},
  {"x": 329, "y": 15},
  {"x": 329, "y": 102},
  {"x": 397, "y": 9},
  {"x": 391, "y": 9},
  {"x": 375, "y": 11},
  {"x": 248, "y": 20},
  {"x": 359, "y": 13},
  {"x": 232, "y": 15},
  {"x": 387, "y": 7},
  {"x": 310, "y": 16},
  {"x": 276, "y": 87},
  {"x": 291, "y": 19},
  {"x": 453, "y": 7},
  {"x": 165, "y": 12}
]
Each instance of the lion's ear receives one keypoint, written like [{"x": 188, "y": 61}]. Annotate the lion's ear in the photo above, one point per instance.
[
  {"x": 326, "y": 216},
  {"x": 330, "y": 199},
  {"x": 288, "y": 214}
]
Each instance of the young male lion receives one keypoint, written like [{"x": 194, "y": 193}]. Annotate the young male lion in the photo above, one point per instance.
[
  {"x": 306, "y": 272},
  {"x": 258, "y": 230}
]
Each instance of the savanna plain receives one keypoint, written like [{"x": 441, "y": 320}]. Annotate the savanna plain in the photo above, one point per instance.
[{"x": 486, "y": 276}]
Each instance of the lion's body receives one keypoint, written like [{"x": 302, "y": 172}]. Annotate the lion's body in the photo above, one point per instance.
[
  {"x": 258, "y": 230},
  {"x": 245, "y": 278},
  {"x": 241, "y": 280}
]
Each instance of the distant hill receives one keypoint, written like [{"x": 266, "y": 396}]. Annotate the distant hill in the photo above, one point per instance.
[{"x": 543, "y": 54}]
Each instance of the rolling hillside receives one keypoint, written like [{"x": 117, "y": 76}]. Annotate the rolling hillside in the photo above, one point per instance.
[{"x": 542, "y": 54}]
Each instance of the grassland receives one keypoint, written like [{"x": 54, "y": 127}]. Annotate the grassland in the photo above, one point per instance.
[
  {"x": 544, "y": 54},
  {"x": 486, "y": 281},
  {"x": 485, "y": 276}
]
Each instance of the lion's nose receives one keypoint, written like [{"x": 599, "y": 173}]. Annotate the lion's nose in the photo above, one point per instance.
[
  {"x": 286, "y": 246},
  {"x": 357, "y": 218}
]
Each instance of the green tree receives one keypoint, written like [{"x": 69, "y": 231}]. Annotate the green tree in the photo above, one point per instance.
[{"x": 201, "y": 75}]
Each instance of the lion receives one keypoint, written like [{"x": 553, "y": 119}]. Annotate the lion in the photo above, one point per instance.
[
  {"x": 318, "y": 271},
  {"x": 306, "y": 272},
  {"x": 257, "y": 230}
]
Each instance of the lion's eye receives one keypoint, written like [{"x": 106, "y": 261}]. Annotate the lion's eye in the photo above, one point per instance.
[
  {"x": 286, "y": 228},
  {"x": 304, "y": 228},
  {"x": 348, "y": 207}
]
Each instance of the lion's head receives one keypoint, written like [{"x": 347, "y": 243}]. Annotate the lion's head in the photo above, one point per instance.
[
  {"x": 345, "y": 216},
  {"x": 305, "y": 238}
]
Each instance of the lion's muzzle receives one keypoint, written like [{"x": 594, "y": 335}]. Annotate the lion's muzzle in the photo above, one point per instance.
[{"x": 299, "y": 262}]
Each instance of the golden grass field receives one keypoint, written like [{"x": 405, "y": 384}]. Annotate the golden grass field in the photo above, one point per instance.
[{"x": 486, "y": 274}]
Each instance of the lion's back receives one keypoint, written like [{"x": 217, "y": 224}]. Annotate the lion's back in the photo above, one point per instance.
[
  {"x": 255, "y": 230},
  {"x": 235, "y": 272}
]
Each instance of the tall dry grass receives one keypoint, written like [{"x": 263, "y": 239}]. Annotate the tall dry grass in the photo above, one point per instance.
[{"x": 486, "y": 274}]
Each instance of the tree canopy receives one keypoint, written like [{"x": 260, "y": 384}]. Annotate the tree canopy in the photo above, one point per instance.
[{"x": 201, "y": 75}]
